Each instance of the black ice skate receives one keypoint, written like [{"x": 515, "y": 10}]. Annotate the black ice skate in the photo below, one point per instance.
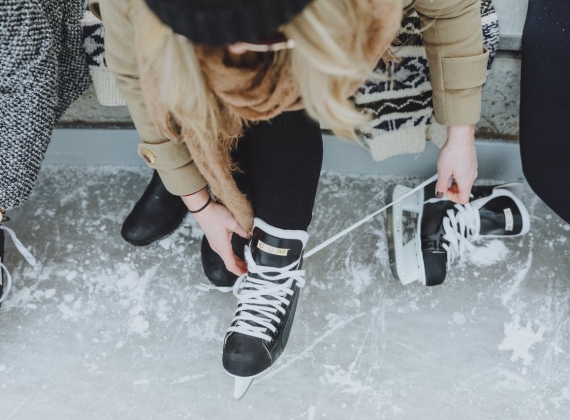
[
  {"x": 267, "y": 299},
  {"x": 445, "y": 229}
]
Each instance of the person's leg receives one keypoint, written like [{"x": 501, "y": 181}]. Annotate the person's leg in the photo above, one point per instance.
[
  {"x": 280, "y": 162},
  {"x": 284, "y": 158},
  {"x": 545, "y": 103}
]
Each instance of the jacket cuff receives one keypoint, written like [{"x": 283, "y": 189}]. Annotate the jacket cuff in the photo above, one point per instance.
[
  {"x": 174, "y": 164},
  {"x": 457, "y": 107},
  {"x": 184, "y": 180},
  {"x": 164, "y": 156}
]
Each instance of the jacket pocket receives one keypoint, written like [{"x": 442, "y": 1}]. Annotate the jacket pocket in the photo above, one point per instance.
[{"x": 465, "y": 72}]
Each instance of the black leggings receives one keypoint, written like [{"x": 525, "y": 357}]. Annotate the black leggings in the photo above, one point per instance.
[
  {"x": 281, "y": 162},
  {"x": 545, "y": 103}
]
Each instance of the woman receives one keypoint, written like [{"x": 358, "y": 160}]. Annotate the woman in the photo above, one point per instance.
[{"x": 221, "y": 93}]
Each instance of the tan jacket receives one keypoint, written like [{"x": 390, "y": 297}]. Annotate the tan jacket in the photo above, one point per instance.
[{"x": 454, "y": 45}]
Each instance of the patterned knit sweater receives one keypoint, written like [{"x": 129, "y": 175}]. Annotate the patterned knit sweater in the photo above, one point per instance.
[
  {"x": 42, "y": 70},
  {"x": 400, "y": 100}
]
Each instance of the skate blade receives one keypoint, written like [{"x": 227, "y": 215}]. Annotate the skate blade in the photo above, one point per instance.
[
  {"x": 241, "y": 386},
  {"x": 404, "y": 261}
]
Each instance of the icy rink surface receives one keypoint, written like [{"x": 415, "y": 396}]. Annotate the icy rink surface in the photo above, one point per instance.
[{"x": 104, "y": 330}]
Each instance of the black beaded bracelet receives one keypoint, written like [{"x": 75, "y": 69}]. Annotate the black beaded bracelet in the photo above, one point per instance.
[{"x": 203, "y": 207}]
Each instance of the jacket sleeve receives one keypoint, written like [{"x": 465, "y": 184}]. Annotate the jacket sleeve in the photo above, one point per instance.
[
  {"x": 173, "y": 161},
  {"x": 453, "y": 39}
]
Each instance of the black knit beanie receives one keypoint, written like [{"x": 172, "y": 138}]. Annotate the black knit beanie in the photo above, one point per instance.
[{"x": 220, "y": 22}]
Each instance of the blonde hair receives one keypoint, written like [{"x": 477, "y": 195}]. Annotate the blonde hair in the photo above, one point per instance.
[
  {"x": 330, "y": 60},
  {"x": 338, "y": 43}
]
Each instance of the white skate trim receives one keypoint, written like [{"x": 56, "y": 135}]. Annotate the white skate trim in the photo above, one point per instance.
[
  {"x": 299, "y": 235},
  {"x": 261, "y": 301},
  {"x": 513, "y": 191},
  {"x": 408, "y": 257},
  {"x": 209, "y": 287},
  {"x": 25, "y": 253}
]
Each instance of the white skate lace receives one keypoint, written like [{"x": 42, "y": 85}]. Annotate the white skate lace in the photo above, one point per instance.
[
  {"x": 262, "y": 302},
  {"x": 25, "y": 253},
  {"x": 461, "y": 226},
  {"x": 208, "y": 287}
]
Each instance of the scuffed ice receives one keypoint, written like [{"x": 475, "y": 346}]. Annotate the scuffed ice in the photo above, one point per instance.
[{"x": 104, "y": 330}]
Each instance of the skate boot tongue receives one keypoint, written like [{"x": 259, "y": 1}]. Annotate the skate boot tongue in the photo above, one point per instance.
[
  {"x": 270, "y": 251},
  {"x": 500, "y": 216}
]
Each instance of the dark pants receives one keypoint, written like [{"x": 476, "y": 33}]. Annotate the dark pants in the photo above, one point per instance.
[
  {"x": 281, "y": 162},
  {"x": 545, "y": 103}
]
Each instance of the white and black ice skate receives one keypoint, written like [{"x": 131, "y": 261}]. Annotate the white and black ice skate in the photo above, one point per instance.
[
  {"x": 4, "y": 273},
  {"x": 445, "y": 229},
  {"x": 267, "y": 299}
]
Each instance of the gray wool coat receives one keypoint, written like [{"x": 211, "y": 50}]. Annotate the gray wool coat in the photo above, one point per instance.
[{"x": 42, "y": 71}]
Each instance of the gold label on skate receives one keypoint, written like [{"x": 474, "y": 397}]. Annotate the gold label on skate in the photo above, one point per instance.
[
  {"x": 282, "y": 252},
  {"x": 509, "y": 220}
]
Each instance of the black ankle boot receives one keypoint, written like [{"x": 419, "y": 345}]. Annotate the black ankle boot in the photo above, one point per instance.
[
  {"x": 156, "y": 214},
  {"x": 213, "y": 265},
  {"x": 267, "y": 299}
]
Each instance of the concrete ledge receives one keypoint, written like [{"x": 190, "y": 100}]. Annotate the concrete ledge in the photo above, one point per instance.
[
  {"x": 510, "y": 42},
  {"x": 497, "y": 160}
]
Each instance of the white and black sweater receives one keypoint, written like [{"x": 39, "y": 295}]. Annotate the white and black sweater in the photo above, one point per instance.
[
  {"x": 400, "y": 102},
  {"x": 42, "y": 71}
]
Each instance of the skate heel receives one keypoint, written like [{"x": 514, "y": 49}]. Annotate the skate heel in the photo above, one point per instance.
[{"x": 403, "y": 258}]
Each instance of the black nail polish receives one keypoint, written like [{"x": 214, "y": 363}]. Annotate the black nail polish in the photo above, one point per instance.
[{"x": 439, "y": 194}]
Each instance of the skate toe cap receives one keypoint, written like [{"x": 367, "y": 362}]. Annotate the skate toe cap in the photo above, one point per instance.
[{"x": 245, "y": 356}]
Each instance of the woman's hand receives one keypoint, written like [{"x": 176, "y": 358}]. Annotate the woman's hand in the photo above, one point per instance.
[
  {"x": 218, "y": 225},
  {"x": 458, "y": 161}
]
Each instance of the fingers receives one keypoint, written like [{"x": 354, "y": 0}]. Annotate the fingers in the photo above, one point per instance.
[
  {"x": 218, "y": 225},
  {"x": 458, "y": 191},
  {"x": 457, "y": 160},
  {"x": 233, "y": 263},
  {"x": 453, "y": 193},
  {"x": 240, "y": 231},
  {"x": 443, "y": 184},
  {"x": 463, "y": 192}
]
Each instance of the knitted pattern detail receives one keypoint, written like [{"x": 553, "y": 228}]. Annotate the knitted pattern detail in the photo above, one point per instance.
[
  {"x": 42, "y": 71},
  {"x": 400, "y": 99},
  {"x": 94, "y": 44}
]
